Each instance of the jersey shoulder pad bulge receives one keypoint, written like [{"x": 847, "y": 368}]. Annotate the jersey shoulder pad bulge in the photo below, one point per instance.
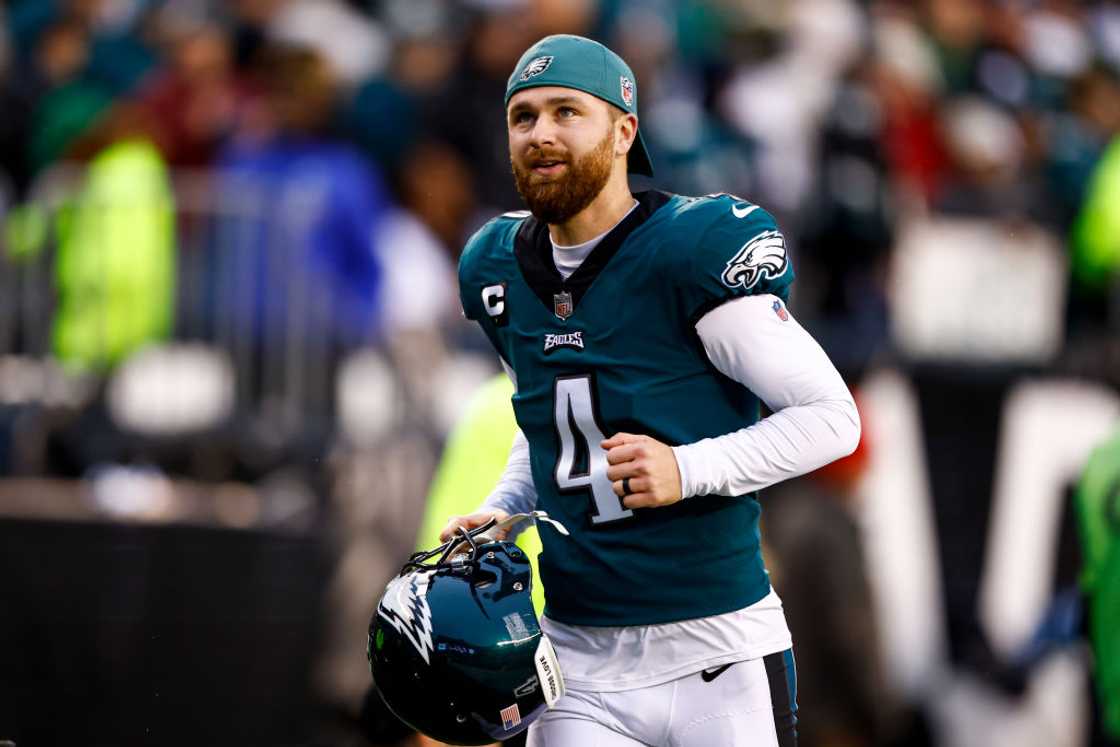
[
  {"x": 733, "y": 248},
  {"x": 483, "y": 258}
]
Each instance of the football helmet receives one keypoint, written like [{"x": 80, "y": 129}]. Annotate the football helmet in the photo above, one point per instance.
[{"x": 454, "y": 646}]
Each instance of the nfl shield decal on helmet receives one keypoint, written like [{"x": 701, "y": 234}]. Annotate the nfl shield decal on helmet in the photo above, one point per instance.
[
  {"x": 562, "y": 304},
  {"x": 536, "y": 67},
  {"x": 627, "y": 90},
  {"x": 511, "y": 716}
]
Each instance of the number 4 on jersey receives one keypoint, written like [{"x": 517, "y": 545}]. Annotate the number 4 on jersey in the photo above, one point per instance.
[{"x": 575, "y": 405}]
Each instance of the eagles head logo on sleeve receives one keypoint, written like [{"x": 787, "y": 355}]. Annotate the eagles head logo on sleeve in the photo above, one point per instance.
[{"x": 764, "y": 256}]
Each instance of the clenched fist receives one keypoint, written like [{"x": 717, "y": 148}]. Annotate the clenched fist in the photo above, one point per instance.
[{"x": 644, "y": 465}]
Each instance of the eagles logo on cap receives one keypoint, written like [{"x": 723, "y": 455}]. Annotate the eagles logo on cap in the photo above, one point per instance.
[
  {"x": 627, "y": 90},
  {"x": 536, "y": 67}
]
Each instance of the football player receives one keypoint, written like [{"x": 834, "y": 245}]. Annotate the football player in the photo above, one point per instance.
[{"x": 641, "y": 333}]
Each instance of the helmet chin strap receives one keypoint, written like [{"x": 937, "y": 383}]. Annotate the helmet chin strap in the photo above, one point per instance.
[
  {"x": 513, "y": 523},
  {"x": 504, "y": 528}
]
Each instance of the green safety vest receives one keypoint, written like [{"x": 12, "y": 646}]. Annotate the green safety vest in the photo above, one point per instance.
[
  {"x": 472, "y": 462},
  {"x": 1098, "y": 514}
]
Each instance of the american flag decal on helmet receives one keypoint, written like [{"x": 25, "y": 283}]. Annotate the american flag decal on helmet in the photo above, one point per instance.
[{"x": 511, "y": 716}]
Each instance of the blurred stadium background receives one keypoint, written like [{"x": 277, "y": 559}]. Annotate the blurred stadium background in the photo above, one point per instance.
[{"x": 231, "y": 349}]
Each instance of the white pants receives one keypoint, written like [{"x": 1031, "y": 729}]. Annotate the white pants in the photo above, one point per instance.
[{"x": 749, "y": 704}]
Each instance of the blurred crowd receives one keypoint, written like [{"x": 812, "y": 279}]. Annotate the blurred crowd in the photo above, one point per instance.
[
  {"x": 230, "y": 228},
  {"x": 846, "y": 119}
]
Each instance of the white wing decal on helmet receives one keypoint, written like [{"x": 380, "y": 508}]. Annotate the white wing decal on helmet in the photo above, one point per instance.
[
  {"x": 405, "y": 607},
  {"x": 764, "y": 256}
]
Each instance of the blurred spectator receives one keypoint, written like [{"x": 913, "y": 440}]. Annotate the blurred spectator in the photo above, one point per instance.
[
  {"x": 389, "y": 117},
  {"x": 780, "y": 100},
  {"x": 385, "y": 115},
  {"x": 1096, "y": 238},
  {"x": 907, "y": 81},
  {"x": 195, "y": 99},
  {"x": 115, "y": 269},
  {"x": 62, "y": 102},
  {"x": 693, "y": 146},
  {"x": 989, "y": 173},
  {"x": 436, "y": 185},
  {"x": 418, "y": 287},
  {"x": 468, "y": 111},
  {"x": 1098, "y": 514},
  {"x": 849, "y": 226},
  {"x": 351, "y": 42},
  {"x": 305, "y": 209},
  {"x": 118, "y": 56},
  {"x": 957, "y": 29},
  {"x": 1078, "y": 136}
]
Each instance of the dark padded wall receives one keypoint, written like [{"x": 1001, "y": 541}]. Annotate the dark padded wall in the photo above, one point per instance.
[{"x": 120, "y": 635}]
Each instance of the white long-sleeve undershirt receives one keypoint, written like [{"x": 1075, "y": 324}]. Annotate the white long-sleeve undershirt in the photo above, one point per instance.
[{"x": 814, "y": 418}]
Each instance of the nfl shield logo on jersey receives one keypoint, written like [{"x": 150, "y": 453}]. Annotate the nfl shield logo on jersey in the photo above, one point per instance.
[{"x": 562, "y": 304}]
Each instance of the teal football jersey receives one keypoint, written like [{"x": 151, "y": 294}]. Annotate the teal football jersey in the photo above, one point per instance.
[{"x": 614, "y": 348}]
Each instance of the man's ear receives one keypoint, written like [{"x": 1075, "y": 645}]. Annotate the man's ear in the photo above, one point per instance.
[{"x": 626, "y": 132}]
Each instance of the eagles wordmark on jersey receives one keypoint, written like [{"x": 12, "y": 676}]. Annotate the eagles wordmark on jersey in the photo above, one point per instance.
[{"x": 614, "y": 348}]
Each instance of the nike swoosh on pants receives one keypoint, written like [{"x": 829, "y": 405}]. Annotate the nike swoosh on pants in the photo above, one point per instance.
[{"x": 710, "y": 674}]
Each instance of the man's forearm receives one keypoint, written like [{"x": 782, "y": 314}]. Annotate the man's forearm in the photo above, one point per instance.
[
  {"x": 757, "y": 343},
  {"x": 791, "y": 442}
]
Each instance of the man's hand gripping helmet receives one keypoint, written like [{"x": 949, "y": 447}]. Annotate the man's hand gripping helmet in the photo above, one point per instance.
[{"x": 454, "y": 645}]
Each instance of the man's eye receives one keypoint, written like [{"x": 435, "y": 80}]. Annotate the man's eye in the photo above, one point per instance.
[
  {"x": 522, "y": 118},
  {"x": 567, "y": 111}
]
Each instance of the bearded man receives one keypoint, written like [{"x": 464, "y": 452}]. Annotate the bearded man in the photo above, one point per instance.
[{"x": 641, "y": 333}]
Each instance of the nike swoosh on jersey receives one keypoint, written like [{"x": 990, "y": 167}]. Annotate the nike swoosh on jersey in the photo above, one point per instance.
[
  {"x": 710, "y": 674},
  {"x": 739, "y": 212}
]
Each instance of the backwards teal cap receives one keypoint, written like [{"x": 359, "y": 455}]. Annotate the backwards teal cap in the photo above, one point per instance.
[{"x": 588, "y": 66}]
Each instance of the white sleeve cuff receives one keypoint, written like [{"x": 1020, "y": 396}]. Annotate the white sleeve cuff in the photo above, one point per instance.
[{"x": 686, "y": 469}]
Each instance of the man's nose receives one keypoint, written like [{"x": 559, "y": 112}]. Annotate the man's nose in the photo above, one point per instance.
[{"x": 544, "y": 131}]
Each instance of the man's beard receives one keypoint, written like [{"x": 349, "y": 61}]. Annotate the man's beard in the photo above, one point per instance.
[{"x": 557, "y": 200}]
